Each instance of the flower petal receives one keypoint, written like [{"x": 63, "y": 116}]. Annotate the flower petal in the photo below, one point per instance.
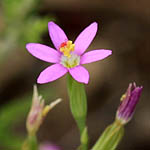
[
  {"x": 80, "y": 74},
  {"x": 43, "y": 52},
  {"x": 57, "y": 35},
  {"x": 51, "y": 73},
  {"x": 94, "y": 55},
  {"x": 85, "y": 38}
]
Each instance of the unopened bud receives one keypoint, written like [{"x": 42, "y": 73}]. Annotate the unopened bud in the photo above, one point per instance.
[
  {"x": 128, "y": 103},
  {"x": 38, "y": 112}
]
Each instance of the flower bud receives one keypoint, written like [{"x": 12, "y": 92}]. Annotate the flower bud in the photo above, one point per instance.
[
  {"x": 38, "y": 112},
  {"x": 128, "y": 103}
]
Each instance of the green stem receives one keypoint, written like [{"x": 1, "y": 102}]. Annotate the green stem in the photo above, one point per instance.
[
  {"x": 84, "y": 140},
  {"x": 30, "y": 143},
  {"x": 110, "y": 137}
]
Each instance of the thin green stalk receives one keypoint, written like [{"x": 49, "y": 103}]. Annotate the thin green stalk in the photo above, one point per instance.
[
  {"x": 30, "y": 143},
  {"x": 110, "y": 137}
]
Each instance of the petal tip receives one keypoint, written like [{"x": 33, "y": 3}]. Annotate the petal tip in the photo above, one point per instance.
[
  {"x": 109, "y": 52},
  {"x": 29, "y": 46},
  {"x": 86, "y": 82},
  {"x": 39, "y": 81},
  {"x": 51, "y": 22},
  {"x": 95, "y": 25}
]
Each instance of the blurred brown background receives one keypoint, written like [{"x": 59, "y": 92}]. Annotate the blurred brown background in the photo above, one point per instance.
[{"x": 124, "y": 27}]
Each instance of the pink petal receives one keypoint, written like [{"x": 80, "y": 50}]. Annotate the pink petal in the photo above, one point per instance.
[
  {"x": 51, "y": 73},
  {"x": 85, "y": 38},
  {"x": 80, "y": 74},
  {"x": 57, "y": 35},
  {"x": 94, "y": 55},
  {"x": 43, "y": 52}
]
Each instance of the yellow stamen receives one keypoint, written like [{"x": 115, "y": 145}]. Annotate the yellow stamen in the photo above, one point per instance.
[
  {"x": 47, "y": 108},
  {"x": 122, "y": 97},
  {"x": 66, "y": 48}
]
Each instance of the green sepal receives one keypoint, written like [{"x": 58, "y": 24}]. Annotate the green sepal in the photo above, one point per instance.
[
  {"x": 110, "y": 137},
  {"x": 78, "y": 102}
]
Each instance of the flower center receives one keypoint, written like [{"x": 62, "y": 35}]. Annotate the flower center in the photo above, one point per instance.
[
  {"x": 70, "y": 62},
  {"x": 66, "y": 48},
  {"x": 69, "y": 59}
]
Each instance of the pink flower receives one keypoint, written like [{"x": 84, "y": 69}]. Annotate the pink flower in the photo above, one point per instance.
[{"x": 68, "y": 57}]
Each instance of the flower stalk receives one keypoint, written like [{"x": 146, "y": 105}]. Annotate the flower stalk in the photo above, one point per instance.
[
  {"x": 110, "y": 137},
  {"x": 30, "y": 143},
  {"x": 84, "y": 139}
]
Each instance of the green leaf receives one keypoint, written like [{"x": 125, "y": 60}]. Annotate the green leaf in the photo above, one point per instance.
[
  {"x": 110, "y": 137},
  {"x": 30, "y": 143}
]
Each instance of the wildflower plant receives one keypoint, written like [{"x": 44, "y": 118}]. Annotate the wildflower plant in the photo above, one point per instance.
[{"x": 68, "y": 58}]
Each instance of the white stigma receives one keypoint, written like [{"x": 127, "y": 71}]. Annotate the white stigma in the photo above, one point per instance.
[{"x": 70, "y": 62}]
